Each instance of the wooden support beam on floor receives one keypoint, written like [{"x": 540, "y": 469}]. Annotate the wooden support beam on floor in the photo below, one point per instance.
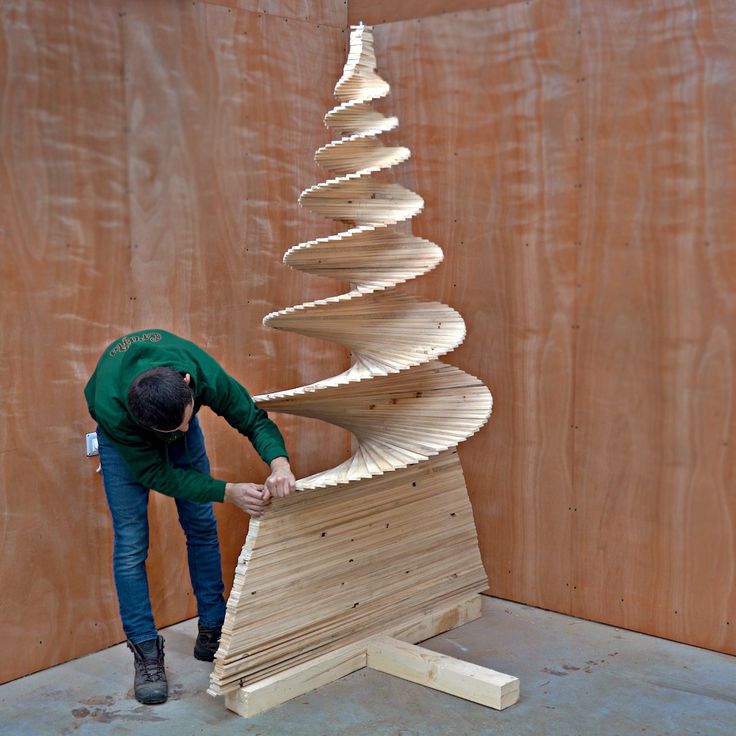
[
  {"x": 438, "y": 620},
  {"x": 261, "y": 696},
  {"x": 463, "y": 679},
  {"x": 440, "y": 672}
]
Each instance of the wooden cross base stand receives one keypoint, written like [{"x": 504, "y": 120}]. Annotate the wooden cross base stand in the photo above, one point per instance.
[{"x": 395, "y": 653}]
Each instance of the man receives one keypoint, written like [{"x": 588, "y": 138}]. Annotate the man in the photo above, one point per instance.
[{"x": 145, "y": 394}]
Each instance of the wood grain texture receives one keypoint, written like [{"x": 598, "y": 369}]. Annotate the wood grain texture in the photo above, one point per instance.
[
  {"x": 374, "y": 12},
  {"x": 579, "y": 169},
  {"x": 495, "y": 159},
  {"x": 318, "y": 12},
  {"x": 152, "y": 154},
  {"x": 442, "y": 672},
  {"x": 396, "y": 539},
  {"x": 63, "y": 178},
  {"x": 250, "y": 700},
  {"x": 400, "y": 405},
  {"x": 360, "y": 559},
  {"x": 570, "y": 130},
  {"x": 655, "y": 460}
]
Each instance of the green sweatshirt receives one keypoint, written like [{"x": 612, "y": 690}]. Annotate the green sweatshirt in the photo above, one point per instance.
[{"x": 145, "y": 450}]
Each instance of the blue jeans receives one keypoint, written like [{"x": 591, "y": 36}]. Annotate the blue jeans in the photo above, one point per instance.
[{"x": 128, "y": 502}]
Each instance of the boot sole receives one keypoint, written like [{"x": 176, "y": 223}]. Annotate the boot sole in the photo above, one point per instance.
[{"x": 153, "y": 701}]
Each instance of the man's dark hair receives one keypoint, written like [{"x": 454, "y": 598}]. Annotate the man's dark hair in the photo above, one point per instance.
[{"x": 158, "y": 397}]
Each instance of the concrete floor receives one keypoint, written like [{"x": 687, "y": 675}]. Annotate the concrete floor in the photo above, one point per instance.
[{"x": 577, "y": 679}]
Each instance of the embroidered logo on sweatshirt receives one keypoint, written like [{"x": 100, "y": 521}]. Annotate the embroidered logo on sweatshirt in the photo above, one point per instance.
[{"x": 129, "y": 340}]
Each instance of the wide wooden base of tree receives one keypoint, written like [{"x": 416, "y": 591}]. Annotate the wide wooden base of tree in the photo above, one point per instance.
[
  {"x": 327, "y": 575},
  {"x": 394, "y": 655}
]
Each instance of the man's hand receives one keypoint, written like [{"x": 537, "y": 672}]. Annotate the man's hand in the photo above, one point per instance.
[
  {"x": 249, "y": 497},
  {"x": 281, "y": 482}
]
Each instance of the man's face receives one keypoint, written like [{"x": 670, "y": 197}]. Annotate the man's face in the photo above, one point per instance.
[{"x": 184, "y": 426}]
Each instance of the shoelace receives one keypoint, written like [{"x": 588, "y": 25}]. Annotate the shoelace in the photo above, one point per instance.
[{"x": 152, "y": 669}]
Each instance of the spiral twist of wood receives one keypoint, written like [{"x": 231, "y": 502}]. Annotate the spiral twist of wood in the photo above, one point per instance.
[
  {"x": 329, "y": 569},
  {"x": 401, "y": 403}
]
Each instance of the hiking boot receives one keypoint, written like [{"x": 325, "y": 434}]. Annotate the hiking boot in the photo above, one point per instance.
[
  {"x": 208, "y": 641},
  {"x": 150, "y": 676}
]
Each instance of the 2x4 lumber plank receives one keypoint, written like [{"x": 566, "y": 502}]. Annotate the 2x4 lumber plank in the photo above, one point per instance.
[
  {"x": 439, "y": 620},
  {"x": 440, "y": 672},
  {"x": 272, "y": 691},
  {"x": 276, "y": 689}
]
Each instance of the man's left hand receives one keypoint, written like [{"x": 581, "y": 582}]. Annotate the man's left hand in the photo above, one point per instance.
[{"x": 281, "y": 482}]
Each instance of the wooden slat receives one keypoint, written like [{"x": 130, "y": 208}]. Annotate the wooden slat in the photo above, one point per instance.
[
  {"x": 361, "y": 559},
  {"x": 385, "y": 333},
  {"x": 398, "y": 419},
  {"x": 440, "y": 672},
  {"x": 277, "y": 689}
]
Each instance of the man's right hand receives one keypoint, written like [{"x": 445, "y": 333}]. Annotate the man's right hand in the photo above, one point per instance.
[{"x": 249, "y": 497}]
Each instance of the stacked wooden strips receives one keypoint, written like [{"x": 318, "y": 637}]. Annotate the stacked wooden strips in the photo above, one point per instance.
[
  {"x": 398, "y": 419},
  {"x": 360, "y": 154},
  {"x": 371, "y": 258},
  {"x": 326, "y": 568},
  {"x": 387, "y": 333},
  {"x": 427, "y": 411},
  {"x": 357, "y": 117},
  {"x": 387, "y": 536},
  {"x": 364, "y": 202},
  {"x": 359, "y": 81}
]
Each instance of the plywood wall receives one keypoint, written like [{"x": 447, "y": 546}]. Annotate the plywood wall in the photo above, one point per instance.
[
  {"x": 577, "y": 163},
  {"x": 152, "y": 154},
  {"x": 578, "y": 167}
]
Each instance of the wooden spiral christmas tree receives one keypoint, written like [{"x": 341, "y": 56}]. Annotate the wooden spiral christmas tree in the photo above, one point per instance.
[{"x": 381, "y": 550}]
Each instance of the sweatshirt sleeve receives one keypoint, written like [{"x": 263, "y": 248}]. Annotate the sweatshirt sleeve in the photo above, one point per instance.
[
  {"x": 230, "y": 400},
  {"x": 150, "y": 466}
]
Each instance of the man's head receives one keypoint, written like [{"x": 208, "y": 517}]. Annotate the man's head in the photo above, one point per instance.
[{"x": 160, "y": 398}]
